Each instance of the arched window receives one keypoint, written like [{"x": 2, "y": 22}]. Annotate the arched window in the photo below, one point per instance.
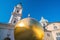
[{"x": 7, "y": 38}]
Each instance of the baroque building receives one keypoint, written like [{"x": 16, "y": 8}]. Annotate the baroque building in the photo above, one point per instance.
[
  {"x": 51, "y": 30},
  {"x": 16, "y": 15},
  {"x": 7, "y": 30}
]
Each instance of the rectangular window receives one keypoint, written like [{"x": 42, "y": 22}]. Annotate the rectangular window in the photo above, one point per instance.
[{"x": 58, "y": 38}]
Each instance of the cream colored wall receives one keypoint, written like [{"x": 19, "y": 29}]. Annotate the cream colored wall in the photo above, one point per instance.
[
  {"x": 51, "y": 26},
  {"x": 46, "y": 37},
  {"x": 54, "y": 33}
]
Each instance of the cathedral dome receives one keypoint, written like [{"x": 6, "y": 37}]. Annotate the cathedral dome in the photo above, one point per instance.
[{"x": 28, "y": 29}]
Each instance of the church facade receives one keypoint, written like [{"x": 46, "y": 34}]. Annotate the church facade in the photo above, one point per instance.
[{"x": 7, "y": 30}]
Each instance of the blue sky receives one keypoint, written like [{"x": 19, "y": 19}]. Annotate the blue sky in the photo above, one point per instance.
[{"x": 49, "y": 9}]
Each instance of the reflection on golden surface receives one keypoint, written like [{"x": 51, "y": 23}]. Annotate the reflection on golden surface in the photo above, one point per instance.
[{"x": 28, "y": 29}]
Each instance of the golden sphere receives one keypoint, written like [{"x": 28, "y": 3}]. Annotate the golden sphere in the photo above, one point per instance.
[{"x": 28, "y": 29}]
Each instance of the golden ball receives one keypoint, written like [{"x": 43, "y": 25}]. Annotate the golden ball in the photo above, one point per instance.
[{"x": 28, "y": 29}]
